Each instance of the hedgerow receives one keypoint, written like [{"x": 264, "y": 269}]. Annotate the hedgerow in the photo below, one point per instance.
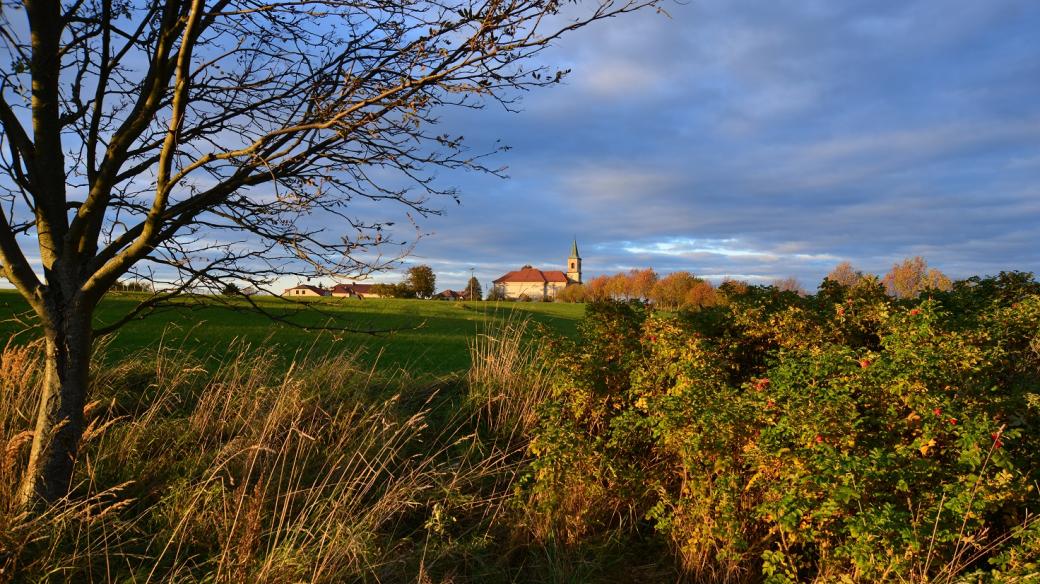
[{"x": 845, "y": 436}]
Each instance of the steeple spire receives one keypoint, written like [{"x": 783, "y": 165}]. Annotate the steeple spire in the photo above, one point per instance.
[{"x": 574, "y": 264}]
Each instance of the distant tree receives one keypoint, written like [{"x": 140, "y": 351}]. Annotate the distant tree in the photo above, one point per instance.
[
  {"x": 421, "y": 280},
  {"x": 400, "y": 290},
  {"x": 790, "y": 284},
  {"x": 845, "y": 275},
  {"x": 670, "y": 291},
  {"x": 473, "y": 291},
  {"x": 597, "y": 288},
  {"x": 496, "y": 293},
  {"x": 730, "y": 290},
  {"x": 911, "y": 277},
  {"x": 641, "y": 283},
  {"x": 938, "y": 281},
  {"x": 132, "y": 286},
  {"x": 619, "y": 287},
  {"x": 734, "y": 288},
  {"x": 384, "y": 290},
  {"x": 700, "y": 295},
  {"x": 230, "y": 289},
  {"x": 572, "y": 293}
]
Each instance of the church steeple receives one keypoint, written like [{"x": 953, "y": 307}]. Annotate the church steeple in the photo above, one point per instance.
[{"x": 574, "y": 264}]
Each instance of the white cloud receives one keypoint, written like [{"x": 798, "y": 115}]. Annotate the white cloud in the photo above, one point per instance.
[{"x": 618, "y": 79}]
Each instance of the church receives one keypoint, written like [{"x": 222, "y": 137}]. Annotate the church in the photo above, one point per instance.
[{"x": 529, "y": 283}]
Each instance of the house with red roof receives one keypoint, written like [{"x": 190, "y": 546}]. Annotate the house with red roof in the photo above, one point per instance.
[
  {"x": 353, "y": 290},
  {"x": 530, "y": 283},
  {"x": 305, "y": 290},
  {"x": 454, "y": 295}
]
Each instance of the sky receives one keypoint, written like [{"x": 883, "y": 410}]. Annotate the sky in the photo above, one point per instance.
[{"x": 759, "y": 140}]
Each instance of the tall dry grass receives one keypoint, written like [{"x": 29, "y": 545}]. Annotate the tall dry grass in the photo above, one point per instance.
[
  {"x": 506, "y": 380},
  {"x": 249, "y": 469}
]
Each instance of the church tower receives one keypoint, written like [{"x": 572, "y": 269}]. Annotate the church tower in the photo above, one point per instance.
[{"x": 574, "y": 264}]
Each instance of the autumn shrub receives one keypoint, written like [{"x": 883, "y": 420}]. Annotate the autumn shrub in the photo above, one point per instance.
[
  {"x": 847, "y": 436},
  {"x": 572, "y": 293},
  {"x": 578, "y": 488}
]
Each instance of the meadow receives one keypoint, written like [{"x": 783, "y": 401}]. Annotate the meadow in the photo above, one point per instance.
[
  {"x": 227, "y": 447},
  {"x": 424, "y": 338}
]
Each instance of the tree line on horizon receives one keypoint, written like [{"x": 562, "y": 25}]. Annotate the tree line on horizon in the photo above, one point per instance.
[
  {"x": 684, "y": 290},
  {"x": 420, "y": 282},
  {"x": 677, "y": 290}
]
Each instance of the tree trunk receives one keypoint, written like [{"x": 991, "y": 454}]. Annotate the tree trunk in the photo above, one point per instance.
[{"x": 60, "y": 420}]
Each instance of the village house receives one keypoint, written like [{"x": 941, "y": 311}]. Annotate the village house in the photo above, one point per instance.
[
  {"x": 305, "y": 290},
  {"x": 339, "y": 290},
  {"x": 529, "y": 283},
  {"x": 450, "y": 295},
  {"x": 353, "y": 290}
]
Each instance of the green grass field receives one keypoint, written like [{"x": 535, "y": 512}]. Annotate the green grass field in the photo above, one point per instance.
[{"x": 421, "y": 337}]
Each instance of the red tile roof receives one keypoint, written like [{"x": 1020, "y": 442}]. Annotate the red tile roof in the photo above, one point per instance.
[
  {"x": 352, "y": 288},
  {"x": 315, "y": 289},
  {"x": 533, "y": 275}
]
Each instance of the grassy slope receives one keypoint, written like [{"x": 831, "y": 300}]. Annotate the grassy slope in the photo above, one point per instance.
[{"x": 428, "y": 338}]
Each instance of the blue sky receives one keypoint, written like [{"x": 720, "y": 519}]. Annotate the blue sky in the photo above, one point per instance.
[
  {"x": 762, "y": 139},
  {"x": 757, "y": 140}
]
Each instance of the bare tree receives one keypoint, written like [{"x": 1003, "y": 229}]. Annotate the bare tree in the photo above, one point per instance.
[
  {"x": 789, "y": 284},
  {"x": 193, "y": 142},
  {"x": 845, "y": 274}
]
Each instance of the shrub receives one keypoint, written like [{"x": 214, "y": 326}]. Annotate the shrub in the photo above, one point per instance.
[{"x": 847, "y": 436}]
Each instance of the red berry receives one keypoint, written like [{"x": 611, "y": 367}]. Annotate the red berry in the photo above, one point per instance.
[
  {"x": 998, "y": 444},
  {"x": 915, "y": 312},
  {"x": 937, "y": 411},
  {"x": 953, "y": 421},
  {"x": 864, "y": 363},
  {"x": 819, "y": 439},
  {"x": 770, "y": 404},
  {"x": 841, "y": 311}
]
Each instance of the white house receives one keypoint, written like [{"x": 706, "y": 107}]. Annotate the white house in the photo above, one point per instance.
[{"x": 305, "y": 290}]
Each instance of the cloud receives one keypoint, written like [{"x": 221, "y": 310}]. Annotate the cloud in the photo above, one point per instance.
[
  {"x": 613, "y": 80},
  {"x": 768, "y": 140},
  {"x": 760, "y": 140}
]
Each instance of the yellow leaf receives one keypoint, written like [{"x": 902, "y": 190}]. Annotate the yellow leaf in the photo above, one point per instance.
[{"x": 926, "y": 446}]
